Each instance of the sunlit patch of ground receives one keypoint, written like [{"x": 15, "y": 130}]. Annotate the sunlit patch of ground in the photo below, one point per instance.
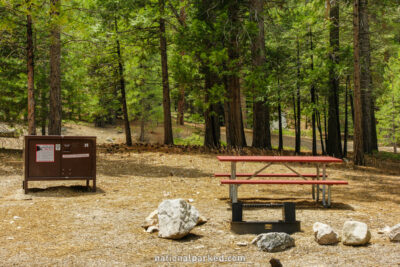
[{"x": 62, "y": 224}]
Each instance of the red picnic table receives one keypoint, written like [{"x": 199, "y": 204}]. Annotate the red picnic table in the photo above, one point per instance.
[{"x": 283, "y": 160}]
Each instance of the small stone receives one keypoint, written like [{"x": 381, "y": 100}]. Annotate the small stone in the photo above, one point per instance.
[
  {"x": 152, "y": 229},
  {"x": 394, "y": 234},
  {"x": 191, "y": 200},
  {"x": 384, "y": 230},
  {"x": 151, "y": 220},
  {"x": 355, "y": 233},
  {"x": 199, "y": 247},
  {"x": 16, "y": 217},
  {"x": 10, "y": 238},
  {"x": 110, "y": 140},
  {"x": 201, "y": 220},
  {"x": 324, "y": 234},
  {"x": 176, "y": 218},
  {"x": 273, "y": 242},
  {"x": 241, "y": 244}
]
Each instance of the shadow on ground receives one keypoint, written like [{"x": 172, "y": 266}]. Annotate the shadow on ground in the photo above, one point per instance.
[{"x": 64, "y": 191}]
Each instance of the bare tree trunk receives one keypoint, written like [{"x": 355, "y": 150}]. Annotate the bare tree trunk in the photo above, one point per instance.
[
  {"x": 235, "y": 125},
  {"x": 346, "y": 119},
  {"x": 168, "y": 137},
  {"x": 181, "y": 97},
  {"x": 55, "y": 72},
  {"x": 358, "y": 130},
  {"x": 297, "y": 116},
  {"x": 334, "y": 145},
  {"x": 365, "y": 75},
  {"x": 30, "y": 68},
  {"x": 212, "y": 134},
  {"x": 313, "y": 102},
  {"x": 280, "y": 145},
  {"x": 128, "y": 136},
  {"x": 261, "y": 123}
]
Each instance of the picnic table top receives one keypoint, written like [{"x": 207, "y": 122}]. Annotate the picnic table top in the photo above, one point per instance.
[{"x": 315, "y": 159}]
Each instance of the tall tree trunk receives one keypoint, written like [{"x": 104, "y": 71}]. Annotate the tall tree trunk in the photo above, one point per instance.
[
  {"x": 365, "y": 75},
  {"x": 334, "y": 146},
  {"x": 181, "y": 97},
  {"x": 280, "y": 144},
  {"x": 30, "y": 68},
  {"x": 346, "y": 119},
  {"x": 313, "y": 102},
  {"x": 55, "y": 72},
  {"x": 168, "y": 137},
  {"x": 298, "y": 113},
  {"x": 358, "y": 129},
  {"x": 261, "y": 129},
  {"x": 212, "y": 134},
  {"x": 394, "y": 122},
  {"x": 128, "y": 136},
  {"x": 235, "y": 126}
]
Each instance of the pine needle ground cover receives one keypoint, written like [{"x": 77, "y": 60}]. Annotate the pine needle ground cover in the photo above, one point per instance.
[{"x": 60, "y": 223}]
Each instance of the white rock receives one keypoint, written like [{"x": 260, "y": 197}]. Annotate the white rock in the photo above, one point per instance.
[
  {"x": 16, "y": 217},
  {"x": 324, "y": 234},
  {"x": 384, "y": 230},
  {"x": 176, "y": 218},
  {"x": 394, "y": 234},
  {"x": 151, "y": 220},
  {"x": 241, "y": 244},
  {"x": 152, "y": 229},
  {"x": 273, "y": 242},
  {"x": 355, "y": 233},
  {"x": 191, "y": 200}
]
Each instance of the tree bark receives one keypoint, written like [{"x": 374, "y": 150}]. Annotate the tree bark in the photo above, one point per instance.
[
  {"x": 181, "y": 98},
  {"x": 168, "y": 137},
  {"x": 365, "y": 75},
  {"x": 261, "y": 129},
  {"x": 212, "y": 135},
  {"x": 30, "y": 68},
  {"x": 55, "y": 70},
  {"x": 346, "y": 119},
  {"x": 313, "y": 102},
  {"x": 358, "y": 129},
  {"x": 334, "y": 145},
  {"x": 280, "y": 145},
  {"x": 297, "y": 115},
  {"x": 128, "y": 136},
  {"x": 235, "y": 125}
]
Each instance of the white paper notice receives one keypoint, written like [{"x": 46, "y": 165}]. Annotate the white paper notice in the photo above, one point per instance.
[{"x": 44, "y": 153}]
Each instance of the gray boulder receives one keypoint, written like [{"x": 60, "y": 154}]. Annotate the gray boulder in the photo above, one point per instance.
[
  {"x": 176, "y": 218},
  {"x": 324, "y": 234},
  {"x": 273, "y": 242},
  {"x": 394, "y": 234},
  {"x": 355, "y": 233}
]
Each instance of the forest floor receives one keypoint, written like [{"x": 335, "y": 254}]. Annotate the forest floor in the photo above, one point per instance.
[
  {"x": 154, "y": 135},
  {"x": 61, "y": 224}
]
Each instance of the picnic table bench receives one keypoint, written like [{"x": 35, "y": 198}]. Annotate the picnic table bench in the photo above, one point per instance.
[{"x": 283, "y": 160}]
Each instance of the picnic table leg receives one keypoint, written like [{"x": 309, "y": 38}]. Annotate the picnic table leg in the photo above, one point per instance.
[
  {"x": 233, "y": 177},
  {"x": 324, "y": 186},
  {"x": 329, "y": 195}
]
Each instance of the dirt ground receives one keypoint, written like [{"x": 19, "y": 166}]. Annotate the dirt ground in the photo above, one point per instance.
[{"x": 61, "y": 224}]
